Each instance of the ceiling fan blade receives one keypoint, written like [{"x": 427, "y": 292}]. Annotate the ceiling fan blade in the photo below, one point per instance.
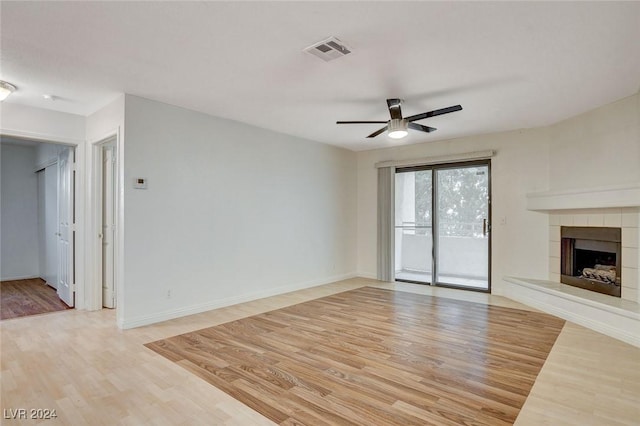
[
  {"x": 420, "y": 127},
  {"x": 361, "y": 122},
  {"x": 434, "y": 113},
  {"x": 377, "y": 132},
  {"x": 394, "y": 108}
]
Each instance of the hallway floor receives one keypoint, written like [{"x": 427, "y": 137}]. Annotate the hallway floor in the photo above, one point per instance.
[{"x": 21, "y": 298}]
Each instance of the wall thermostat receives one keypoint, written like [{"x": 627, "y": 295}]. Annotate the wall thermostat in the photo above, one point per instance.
[{"x": 140, "y": 183}]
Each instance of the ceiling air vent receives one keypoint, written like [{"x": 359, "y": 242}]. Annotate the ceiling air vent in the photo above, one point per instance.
[{"x": 328, "y": 50}]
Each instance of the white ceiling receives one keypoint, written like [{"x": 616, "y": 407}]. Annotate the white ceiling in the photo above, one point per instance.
[{"x": 510, "y": 65}]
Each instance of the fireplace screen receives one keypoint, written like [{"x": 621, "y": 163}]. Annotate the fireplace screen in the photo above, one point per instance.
[{"x": 590, "y": 259}]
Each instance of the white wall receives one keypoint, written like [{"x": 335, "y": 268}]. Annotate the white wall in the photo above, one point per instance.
[
  {"x": 19, "y": 213},
  {"x": 232, "y": 212},
  {"x": 598, "y": 148},
  {"x": 106, "y": 121},
  {"x": 520, "y": 166},
  {"x": 41, "y": 124}
]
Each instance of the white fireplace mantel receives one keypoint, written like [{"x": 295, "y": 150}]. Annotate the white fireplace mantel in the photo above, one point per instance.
[{"x": 613, "y": 196}]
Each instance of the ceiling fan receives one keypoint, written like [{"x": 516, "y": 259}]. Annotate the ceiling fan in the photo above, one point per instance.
[{"x": 398, "y": 125}]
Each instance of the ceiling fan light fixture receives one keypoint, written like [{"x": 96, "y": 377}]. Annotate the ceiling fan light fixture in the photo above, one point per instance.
[
  {"x": 6, "y": 89},
  {"x": 398, "y": 128}
]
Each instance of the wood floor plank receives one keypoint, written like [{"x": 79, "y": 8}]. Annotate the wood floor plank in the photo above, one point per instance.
[
  {"x": 374, "y": 356},
  {"x": 20, "y": 298}
]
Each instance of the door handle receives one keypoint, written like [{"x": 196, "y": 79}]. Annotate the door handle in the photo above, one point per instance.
[{"x": 485, "y": 227}]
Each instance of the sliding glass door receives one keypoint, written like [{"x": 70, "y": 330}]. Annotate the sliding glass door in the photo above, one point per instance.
[
  {"x": 413, "y": 226},
  {"x": 442, "y": 225}
]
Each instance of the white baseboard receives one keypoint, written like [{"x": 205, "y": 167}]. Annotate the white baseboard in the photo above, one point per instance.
[
  {"x": 21, "y": 277},
  {"x": 619, "y": 323},
  {"x": 142, "y": 320},
  {"x": 370, "y": 275}
]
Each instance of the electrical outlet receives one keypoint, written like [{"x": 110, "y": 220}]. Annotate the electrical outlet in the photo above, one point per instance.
[
  {"x": 140, "y": 183},
  {"x": 169, "y": 294}
]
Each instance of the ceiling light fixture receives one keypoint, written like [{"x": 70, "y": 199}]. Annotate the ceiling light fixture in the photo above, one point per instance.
[
  {"x": 6, "y": 89},
  {"x": 398, "y": 128}
]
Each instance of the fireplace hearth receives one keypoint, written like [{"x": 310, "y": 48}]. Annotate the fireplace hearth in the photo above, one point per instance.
[{"x": 590, "y": 258}]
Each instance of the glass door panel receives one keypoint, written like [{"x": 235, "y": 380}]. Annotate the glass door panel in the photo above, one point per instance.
[
  {"x": 462, "y": 223},
  {"x": 413, "y": 226}
]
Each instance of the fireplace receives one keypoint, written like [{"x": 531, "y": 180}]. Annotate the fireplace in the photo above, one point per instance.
[{"x": 590, "y": 258}]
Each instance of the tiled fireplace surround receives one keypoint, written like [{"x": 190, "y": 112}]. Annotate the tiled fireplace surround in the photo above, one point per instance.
[
  {"x": 627, "y": 219},
  {"x": 613, "y": 206}
]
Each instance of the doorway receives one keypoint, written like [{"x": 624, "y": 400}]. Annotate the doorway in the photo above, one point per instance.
[
  {"x": 442, "y": 225},
  {"x": 48, "y": 223},
  {"x": 106, "y": 215},
  {"x": 39, "y": 232},
  {"x": 56, "y": 219}
]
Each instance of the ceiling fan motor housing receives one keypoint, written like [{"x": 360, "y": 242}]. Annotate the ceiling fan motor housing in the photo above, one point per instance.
[{"x": 397, "y": 128}]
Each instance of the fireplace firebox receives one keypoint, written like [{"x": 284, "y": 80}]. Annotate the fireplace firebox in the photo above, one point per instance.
[{"x": 590, "y": 258}]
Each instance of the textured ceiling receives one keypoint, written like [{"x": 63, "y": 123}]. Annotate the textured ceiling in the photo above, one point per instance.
[{"x": 509, "y": 64}]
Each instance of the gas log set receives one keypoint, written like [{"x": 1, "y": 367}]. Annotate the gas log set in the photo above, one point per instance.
[{"x": 604, "y": 273}]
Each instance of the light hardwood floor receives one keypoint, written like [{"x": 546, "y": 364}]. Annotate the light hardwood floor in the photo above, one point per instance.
[
  {"x": 373, "y": 356},
  {"x": 81, "y": 365}
]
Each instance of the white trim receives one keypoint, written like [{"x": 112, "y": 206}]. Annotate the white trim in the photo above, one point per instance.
[
  {"x": 611, "y": 196},
  {"x": 619, "y": 319},
  {"x": 221, "y": 303},
  {"x": 50, "y": 162},
  {"x": 94, "y": 284},
  {"x": 452, "y": 158},
  {"x": 21, "y": 277},
  {"x": 369, "y": 275},
  {"x": 79, "y": 225},
  {"x": 40, "y": 137}
]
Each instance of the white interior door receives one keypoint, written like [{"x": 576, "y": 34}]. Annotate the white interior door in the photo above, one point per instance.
[
  {"x": 108, "y": 226},
  {"x": 51, "y": 225},
  {"x": 65, "y": 227},
  {"x": 42, "y": 230}
]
